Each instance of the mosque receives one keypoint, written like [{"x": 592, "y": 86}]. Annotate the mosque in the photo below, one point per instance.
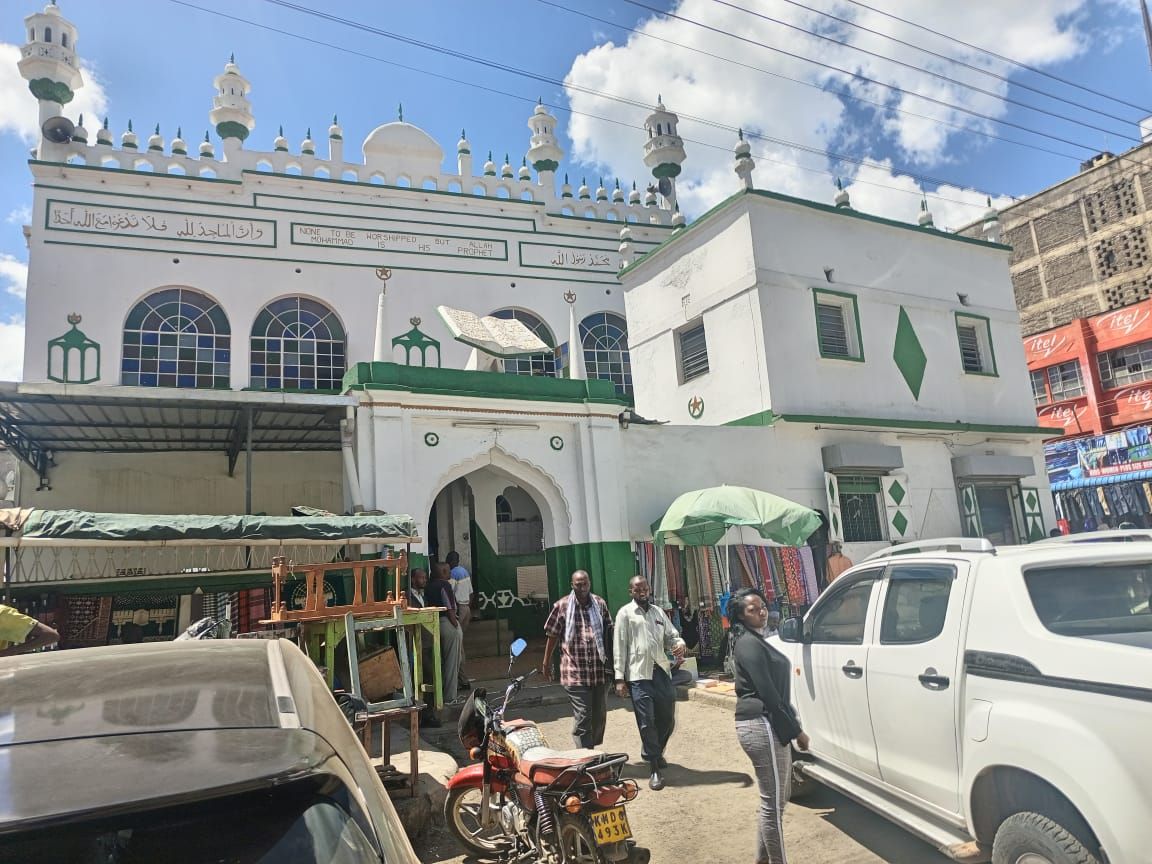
[{"x": 533, "y": 369}]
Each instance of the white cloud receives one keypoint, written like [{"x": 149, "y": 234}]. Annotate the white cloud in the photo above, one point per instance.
[
  {"x": 693, "y": 85},
  {"x": 19, "y": 112},
  {"x": 20, "y": 216},
  {"x": 11, "y": 349},
  {"x": 13, "y": 275}
]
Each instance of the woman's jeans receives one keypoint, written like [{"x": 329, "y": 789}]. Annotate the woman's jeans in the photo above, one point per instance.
[{"x": 773, "y": 763}]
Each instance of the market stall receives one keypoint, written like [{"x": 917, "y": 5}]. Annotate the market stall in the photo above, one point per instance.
[{"x": 713, "y": 541}]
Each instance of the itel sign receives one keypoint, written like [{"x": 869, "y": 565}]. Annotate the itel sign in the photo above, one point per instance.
[
  {"x": 1045, "y": 345},
  {"x": 1123, "y": 322},
  {"x": 1066, "y": 416}
]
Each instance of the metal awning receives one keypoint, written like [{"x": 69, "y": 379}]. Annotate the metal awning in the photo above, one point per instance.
[{"x": 38, "y": 420}]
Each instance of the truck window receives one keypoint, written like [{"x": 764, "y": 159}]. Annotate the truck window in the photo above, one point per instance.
[
  {"x": 916, "y": 604},
  {"x": 1093, "y": 600},
  {"x": 840, "y": 617}
]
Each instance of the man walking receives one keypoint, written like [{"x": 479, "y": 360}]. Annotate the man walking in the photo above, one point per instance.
[
  {"x": 581, "y": 626},
  {"x": 462, "y": 589},
  {"x": 20, "y": 634},
  {"x": 643, "y": 637},
  {"x": 438, "y": 592}
]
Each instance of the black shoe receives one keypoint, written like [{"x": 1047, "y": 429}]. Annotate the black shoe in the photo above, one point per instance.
[
  {"x": 661, "y": 762},
  {"x": 656, "y": 781}
]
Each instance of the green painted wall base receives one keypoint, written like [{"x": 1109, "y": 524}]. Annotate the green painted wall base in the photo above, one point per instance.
[{"x": 610, "y": 565}]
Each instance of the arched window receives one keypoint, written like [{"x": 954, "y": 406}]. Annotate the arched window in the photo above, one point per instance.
[
  {"x": 64, "y": 40},
  {"x": 177, "y": 337},
  {"x": 503, "y": 509},
  {"x": 605, "y": 340},
  {"x": 533, "y": 364},
  {"x": 297, "y": 344},
  {"x": 47, "y": 34}
]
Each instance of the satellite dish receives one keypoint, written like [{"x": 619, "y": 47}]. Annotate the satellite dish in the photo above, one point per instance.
[
  {"x": 58, "y": 129},
  {"x": 665, "y": 186}
]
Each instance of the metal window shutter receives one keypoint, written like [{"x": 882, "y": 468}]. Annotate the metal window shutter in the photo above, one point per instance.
[
  {"x": 970, "y": 349},
  {"x": 693, "y": 353},
  {"x": 833, "y": 333}
]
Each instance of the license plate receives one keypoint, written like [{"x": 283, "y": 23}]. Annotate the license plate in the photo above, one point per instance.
[{"x": 611, "y": 826}]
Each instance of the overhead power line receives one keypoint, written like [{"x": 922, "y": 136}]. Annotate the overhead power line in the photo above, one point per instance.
[
  {"x": 591, "y": 91},
  {"x": 568, "y": 110},
  {"x": 1002, "y": 57},
  {"x": 894, "y": 88},
  {"x": 844, "y": 94},
  {"x": 1023, "y": 85}
]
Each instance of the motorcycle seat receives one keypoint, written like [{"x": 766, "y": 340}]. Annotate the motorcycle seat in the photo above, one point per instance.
[{"x": 545, "y": 765}]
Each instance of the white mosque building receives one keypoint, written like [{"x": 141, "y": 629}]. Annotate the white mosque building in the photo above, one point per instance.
[{"x": 216, "y": 328}]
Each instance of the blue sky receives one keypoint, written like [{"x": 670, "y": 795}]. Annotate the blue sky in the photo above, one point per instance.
[{"x": 153, "y": 61}]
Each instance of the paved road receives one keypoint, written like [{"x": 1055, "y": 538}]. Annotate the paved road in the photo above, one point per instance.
[{"x": 707, "y": 812}]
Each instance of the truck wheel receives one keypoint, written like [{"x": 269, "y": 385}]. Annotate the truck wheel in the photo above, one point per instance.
[
  {"x": 1029, "y": 838},
  {"x": 800, "y": 786}
]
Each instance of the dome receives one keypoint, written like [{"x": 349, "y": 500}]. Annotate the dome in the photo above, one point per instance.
[{"x": 401, "y": 148}]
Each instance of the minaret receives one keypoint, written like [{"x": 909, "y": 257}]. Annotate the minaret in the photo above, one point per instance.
[
  {"x": 991, "y": 227},
  {"x": 232, "y": 112},
  {"x": 464, "y": 156},
  {"x": 842, "y": 201},
  {"x": 48, "y": 62},
  {"x": 664, "y": 151},
  {"x": 335, "y": 144},
  {"x": 925, "y": 218},
  {"x": 382, "y": 347},
  {"x": 744, "y": 162},
  {"x": 577, "y": 371},
  {"x": 544, "y": 153}
]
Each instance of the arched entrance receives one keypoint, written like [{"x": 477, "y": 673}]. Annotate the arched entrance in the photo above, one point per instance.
[{"x": 500, "y": 514}]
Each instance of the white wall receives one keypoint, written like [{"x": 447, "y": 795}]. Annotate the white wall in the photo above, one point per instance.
[
  {"x": 762, "y": 344},
  {"x": 173, "y": 483},
  {"x": 101, "y": 274},
  {"x": 663, "y": 462}
]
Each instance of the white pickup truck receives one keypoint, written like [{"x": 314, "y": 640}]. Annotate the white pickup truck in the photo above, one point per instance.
[{"x": 995, "y": 702}]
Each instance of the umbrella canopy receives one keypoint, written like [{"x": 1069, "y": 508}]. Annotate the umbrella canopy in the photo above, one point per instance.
[{"x": 703, "y": 517}]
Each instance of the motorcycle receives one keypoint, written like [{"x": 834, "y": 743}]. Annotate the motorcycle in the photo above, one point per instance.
[{"x": 521, "y": 800}]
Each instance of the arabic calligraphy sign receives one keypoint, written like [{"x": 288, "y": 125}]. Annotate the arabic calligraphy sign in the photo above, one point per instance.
[
  {"x": 398, "y": 241},
  {"x": 161, "y": 224},
  {"x": 552, "y": 257}
]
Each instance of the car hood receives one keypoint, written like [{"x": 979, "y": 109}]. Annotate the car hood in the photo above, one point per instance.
[{"x": 48, "y": 782}]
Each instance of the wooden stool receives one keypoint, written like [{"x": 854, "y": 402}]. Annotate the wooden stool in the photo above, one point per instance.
[{"x": 385, "y": 719}]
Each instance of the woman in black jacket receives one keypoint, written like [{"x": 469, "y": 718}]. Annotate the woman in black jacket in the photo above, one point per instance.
[{"x": 766, "y": 724}]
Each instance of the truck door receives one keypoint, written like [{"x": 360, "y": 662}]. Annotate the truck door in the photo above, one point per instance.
[
  {"x": 831, "y": 690},
  {"x": 913, "y": 685}
]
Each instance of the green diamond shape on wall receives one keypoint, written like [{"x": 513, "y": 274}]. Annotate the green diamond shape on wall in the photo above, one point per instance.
[
  {"x": 909, "y": 354},
  {"x": 900, "y": 523},
  {"x": 1030, "y": 500},
  {"x": 896, "y": 493}
]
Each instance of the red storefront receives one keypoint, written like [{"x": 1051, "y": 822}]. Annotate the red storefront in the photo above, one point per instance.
[{"x": 1093, "y": 378}]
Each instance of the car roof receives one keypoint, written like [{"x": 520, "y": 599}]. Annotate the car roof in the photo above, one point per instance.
[
  {"x": 129, "y": 689},
  {"x": 50, "y": 782},
  {"x": 1096, "y": 549}
]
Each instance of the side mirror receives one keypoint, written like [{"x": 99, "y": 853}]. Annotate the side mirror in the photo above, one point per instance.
[
  {"x": 517, "y": 648},
  {"x": 792, "y": 630}
]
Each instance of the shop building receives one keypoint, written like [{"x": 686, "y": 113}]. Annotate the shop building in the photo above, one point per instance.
[{"x": 1092, "y": 379}]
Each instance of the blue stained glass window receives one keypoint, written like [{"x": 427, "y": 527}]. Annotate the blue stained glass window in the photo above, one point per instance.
[
  {"x": 297, "y": 344},
  {"x": 533, "y": 364},
  {"x": 605, "y": 340},
  {"x": 176, "y": 322}
]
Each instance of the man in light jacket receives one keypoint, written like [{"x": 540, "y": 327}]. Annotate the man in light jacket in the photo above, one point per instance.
[{"x": 643, "y": 637}]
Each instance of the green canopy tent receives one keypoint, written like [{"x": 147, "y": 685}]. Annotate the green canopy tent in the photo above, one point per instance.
[{"x": 707, "y": 517}]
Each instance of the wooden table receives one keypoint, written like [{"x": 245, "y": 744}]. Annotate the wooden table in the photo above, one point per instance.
[{"x": 385, "y": 719}]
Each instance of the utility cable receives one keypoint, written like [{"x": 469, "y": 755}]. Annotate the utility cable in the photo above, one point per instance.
[
  {"x": 855, "y": 75},
  {"x": 844, "y": 94},
  {"x": 568, "y": 110},
  {"x": 1001, "y": 57},
  {"x": 940, "y": 75},
  {"x": 1006, "y": 79},
  {"x": 624, "y": 100}
]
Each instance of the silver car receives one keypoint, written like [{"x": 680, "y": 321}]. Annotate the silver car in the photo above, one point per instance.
[{"x": 228, "y": 752}]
